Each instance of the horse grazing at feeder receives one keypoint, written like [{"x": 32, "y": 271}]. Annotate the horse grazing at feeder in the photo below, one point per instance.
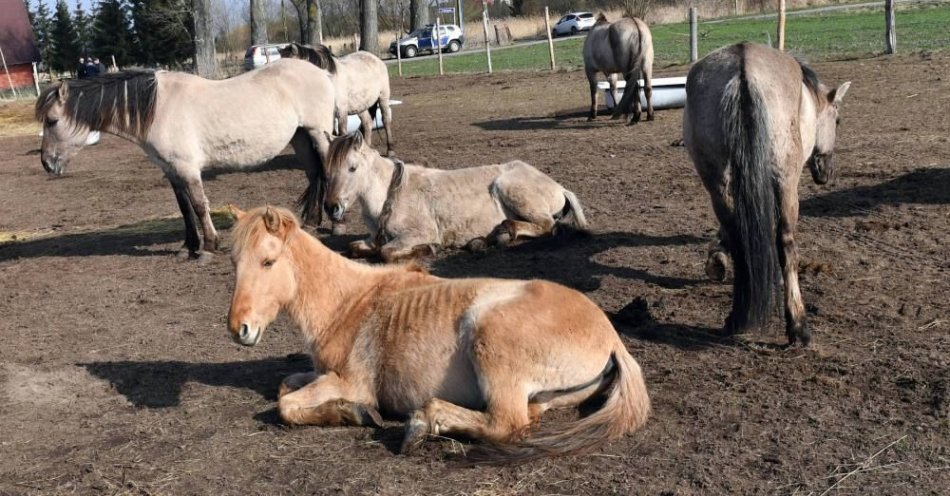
[
  {"x": 621, "y": 47},
  {"x": 482, "y": 358},
  {"x": 754, "y": 117},
  {"x": 187, "y": 124},
  {"x": 410, "y": 209},
  {"x": 362, "y": 85}
]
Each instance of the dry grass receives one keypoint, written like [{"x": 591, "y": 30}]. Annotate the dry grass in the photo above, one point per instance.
[{"x": 16, "y": 118}]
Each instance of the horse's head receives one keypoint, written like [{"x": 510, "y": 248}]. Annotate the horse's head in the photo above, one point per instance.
[
  {"x": 821, "y": 162},
  {"x": 347, "y": 172},
  {"x": 265, "y": 278},
  {"x": 291, "y": 51},
  {"x": 62, "y": 135}
]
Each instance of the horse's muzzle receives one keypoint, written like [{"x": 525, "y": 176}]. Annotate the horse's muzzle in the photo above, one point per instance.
[
  {"x": 54, "y": 168},
  {"x": 822, "y": 167},
  {"x": 335, "y": 210},
  {"x": 247, "y": 336}
]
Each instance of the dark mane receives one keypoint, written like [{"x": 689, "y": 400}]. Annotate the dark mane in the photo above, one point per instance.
[
  {"x": 122, "y": 101},
  {"x": 320, "y": 56},
  {"x": 340, "y": 148},
  {"x": 601, "y": 18},
  {"x": 809, "y": 77}
]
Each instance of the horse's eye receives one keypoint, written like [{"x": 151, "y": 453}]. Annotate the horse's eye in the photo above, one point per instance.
[
  {"x": 51, "y": 122},
  {"x": 837, "y": 121},
  {"x": 267, "y": 263},
  {"x": 352, "y": 168}
]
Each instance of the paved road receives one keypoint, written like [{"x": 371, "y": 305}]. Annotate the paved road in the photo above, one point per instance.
[{"x": 816, "y": 10}]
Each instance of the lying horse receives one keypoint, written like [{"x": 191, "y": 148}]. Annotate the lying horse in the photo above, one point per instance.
[
  {"x": 482, "y": 358},
  {"x": 362, "y": 85},
  {"x": 411, "y": 209},
  {"x": 754, "y": 116},
  {"x": 624, "y": 47},
  {"x": 187, "y": 124}
]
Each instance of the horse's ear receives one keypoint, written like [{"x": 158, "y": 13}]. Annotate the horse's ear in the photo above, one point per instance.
[
  {"x": 236, "y": 212},
  {"x": 271, "y": 220},
  {"x": 329, "y": 136},
  {"x": 836, "y": 95},
  {"x": 62, "y": 92},
  {"x": 294, "y": 50},
  {"x": 358, "y": 139}
]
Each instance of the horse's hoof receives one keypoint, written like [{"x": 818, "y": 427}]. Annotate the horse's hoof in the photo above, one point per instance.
[
  {"x": 477, "y": 244},
  {"x": 185, "y": 254},
  {"x": 365, "y": 415},
  {"x": 614, "y": 117},
  {"x": 591, "y": 118},
  {"x": 204, "y": 258},
  {"x": 283, "y": 389},
  {"x": 799, "y": 331},
  {"x": 729, "y": 327},
  {"x": 338, "y": 229},
  {"x": 716, "y": 266},
  {"x": 416, "y": 430}
]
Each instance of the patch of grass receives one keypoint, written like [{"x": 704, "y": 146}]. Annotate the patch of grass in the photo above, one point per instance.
[{"x": 817, "y": 37}]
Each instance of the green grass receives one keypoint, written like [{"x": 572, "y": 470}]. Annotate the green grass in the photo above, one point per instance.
[{"x": 818, "y": 37}]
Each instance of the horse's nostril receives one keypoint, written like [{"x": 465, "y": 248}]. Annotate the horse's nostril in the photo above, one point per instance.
[{"x": 245, "y": 330}]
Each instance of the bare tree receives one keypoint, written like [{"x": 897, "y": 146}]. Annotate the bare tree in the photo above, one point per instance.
[
  {"x": 369, "y": 26},
  {"x": 258, "y": 23},
  {"x": 636, "y": 8},
  {"x": 314, "y": 23},
  {"x": 205, "y": 63},
  {"x": 418, "y": 14}
]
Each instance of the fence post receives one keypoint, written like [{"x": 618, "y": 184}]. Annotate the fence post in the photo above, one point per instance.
[
  {"x": 547, "y": 27},
  {"x": 36, "y": 79},
  {"x": 9, "y": 78},
  {"x": 693, "y": 41},
  {"x": 438, "y": 45},
  {"x": 398, "y": 55},
  {"x": 781, "y": 25},
  {"x": 485, "y": 30},
  {"x": 890, "y": 33}
]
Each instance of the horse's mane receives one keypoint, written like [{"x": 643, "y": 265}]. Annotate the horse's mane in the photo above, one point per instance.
[
  {"x": 251, "y": 227},
  {"x": 601, "y": 18},
  {"x": 341, "y": 147},
  {"x": 123, "y": 101},
  {"x": 809, "y": 77},
  {"x": 320, "y": 56}
]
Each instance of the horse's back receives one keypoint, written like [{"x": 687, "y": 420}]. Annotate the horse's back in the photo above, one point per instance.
[{"x": 618, "y": 46}]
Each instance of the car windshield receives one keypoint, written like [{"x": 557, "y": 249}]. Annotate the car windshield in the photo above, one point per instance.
[
  {"x": 586, "y": 16},
  {"x": 415, "y": 34}
]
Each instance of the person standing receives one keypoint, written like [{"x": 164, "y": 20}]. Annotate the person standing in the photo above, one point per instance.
[
  {"x": 99, "y": 65},
  {"x": 81, "y": 71}
]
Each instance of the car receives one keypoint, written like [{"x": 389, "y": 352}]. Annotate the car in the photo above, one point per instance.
[
  {"x": 573, "y": 23},
  {"x": 450, "y": 37},
  {"x": 261, "y": 55}
]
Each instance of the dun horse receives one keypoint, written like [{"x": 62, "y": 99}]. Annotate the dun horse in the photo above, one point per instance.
[
  {"x": 622, "y": 47},
  {"x": 187, "y": 124},
  {"x": 482, "y": 358},
  {"x": 362, "y": 85},
  {"x": 411, "y": 209},
  {"x": 754, "y": 116}
]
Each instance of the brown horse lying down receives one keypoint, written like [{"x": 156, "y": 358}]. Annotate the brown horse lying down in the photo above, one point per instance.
[{"x": 482, "y": 358}]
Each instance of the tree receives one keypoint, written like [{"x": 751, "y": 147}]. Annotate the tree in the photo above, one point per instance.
[
  {"x": 418, "y": 14},
  {"x": 164, "y": 31},
  {"x": 314, "y": 22},
  {"x": 112, "y": 32},
  {"x": 41, "y": 29},
  {"x": 81, "y": 21},
  {"x": 205, "y": 62},
  {"x": 64, "y": 52},
  {"x": 369, "y": 26},
  {"x": 258, "y": 23}
]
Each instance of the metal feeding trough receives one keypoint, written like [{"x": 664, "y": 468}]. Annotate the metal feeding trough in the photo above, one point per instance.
[
  {"x": 667, "y": 93},
  {"x": 353, "y": 121}
]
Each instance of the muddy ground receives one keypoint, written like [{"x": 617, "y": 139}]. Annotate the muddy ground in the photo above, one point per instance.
[{"x": 118, "y": 376}]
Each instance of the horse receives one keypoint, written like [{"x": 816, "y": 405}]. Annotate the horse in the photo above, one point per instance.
[
  {"x": 187, "y": 124},
  {"x": 482, "y": 358},
  {"x": 624, "y": 47},
  {"x": 410, "y": 209},
  {"x": 754, "y": 117},
  {"x": 362, "y": 84}
]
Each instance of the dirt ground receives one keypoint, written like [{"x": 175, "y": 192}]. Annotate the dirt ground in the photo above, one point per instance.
[{"x": 118, "y": 376}]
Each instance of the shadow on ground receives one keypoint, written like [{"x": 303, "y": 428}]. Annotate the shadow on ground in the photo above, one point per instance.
[{"x": 922, "y": 186}]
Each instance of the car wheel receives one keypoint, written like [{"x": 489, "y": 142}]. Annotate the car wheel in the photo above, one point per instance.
[
  {"x": 410, "y": 52},
  {"x": 454, "y": 46},
  {"x": 573, "y": 30},
  {"x": 554, "y": 33}
]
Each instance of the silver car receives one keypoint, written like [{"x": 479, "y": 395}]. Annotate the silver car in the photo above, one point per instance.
[
  {"x": 261, "y": 55},
  {"x": 573, "y": 23}
]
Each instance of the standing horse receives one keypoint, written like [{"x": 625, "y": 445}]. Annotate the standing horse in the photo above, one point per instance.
[
  {"x": 362, "y": 85},
  {"x": 754, "y": 116},
  {"x": 483, "y": 358},
  {"x": 410, "y": 209},
  {"x": 187, "y": 124},
  {"x": 624, "y": 47}
]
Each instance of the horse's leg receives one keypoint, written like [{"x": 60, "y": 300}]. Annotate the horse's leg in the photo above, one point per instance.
[
  {"x": 633, "y": 78},
  {"x": 317, "y": 177},
  {"x": 648, "y": 87},
  {"x": 717, "y": 260},
  {"x": 196, "y": 193},
  {"x": 366, "y": 126},
  {"x": 362, "y": 248},
  {"x": 507, "y": 420},
  {"x": 342, "y": 122},
  {"x": 387, "y": 124},
  {"x": 328, "y": 400},
  {"x": 796, "y": 326},
  {"x": 612, "y": 80},
  {"x": 510, "y": 230},
  {"x": 311, "y": 201},
  {"x": 294, "y": 382},
  {"x": 592, "y": 81},
  {"x": 395, "y": 252},
  {"x": 192, "y": 240}
]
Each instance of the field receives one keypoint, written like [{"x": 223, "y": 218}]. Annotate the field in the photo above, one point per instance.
[
  {"x": 117, "y": 375},
  {"x": 834, "y": 35}
]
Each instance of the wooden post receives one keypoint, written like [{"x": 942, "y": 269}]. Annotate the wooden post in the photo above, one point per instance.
[
  {"x": 737, "y": 7},
  {"x": 9, "y": 78},
  {"x": 36, "y": 79},
  {"x": 114, "y": 65},
  {"x": 398, "y": 54},
  {"x": 890, "y": 32},
  {"x": 693, "y": 37},
  {"x": 438, "y": 46},
  {"x": 781, "y": 25},
  {"x": 485, "y": 30},
  {"x": 547, "y": 27}
]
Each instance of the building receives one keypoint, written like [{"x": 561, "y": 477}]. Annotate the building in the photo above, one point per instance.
[{"x": 17, "y": 43}]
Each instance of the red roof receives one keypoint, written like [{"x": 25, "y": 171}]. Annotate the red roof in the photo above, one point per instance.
[{"x": 16, "y": 34}]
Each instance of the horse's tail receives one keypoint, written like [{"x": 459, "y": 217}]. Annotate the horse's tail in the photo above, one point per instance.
[
  {"x": 310, "y": 201},
  {"x": 752, "y": 231},
  {"x": 573, "y": 211},
  {"x": 626, "y": 408}
]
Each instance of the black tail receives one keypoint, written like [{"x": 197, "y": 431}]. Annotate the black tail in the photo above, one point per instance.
[
  {"x": 752, "y": 232},
  {"x": 310, "y": 201}
]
